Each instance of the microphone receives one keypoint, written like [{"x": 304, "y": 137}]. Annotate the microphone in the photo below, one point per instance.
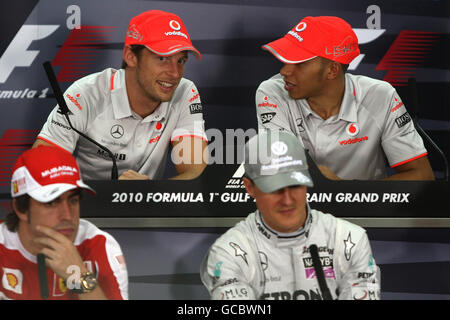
[
  {"x": 42, "y": 271},
  {"x": 326, "y": 294},
  {"x": 65, "y": 111},
  {"x": 412, "y": 88}
]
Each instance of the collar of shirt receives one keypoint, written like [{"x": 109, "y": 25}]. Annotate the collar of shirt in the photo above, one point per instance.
[
  {"x": 347, "y": 112},
  {"x": 121, "y": 105},
  {"x": 13, "y": 243}
]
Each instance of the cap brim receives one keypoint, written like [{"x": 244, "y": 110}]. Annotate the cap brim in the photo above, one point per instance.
[
  {"x": 271, "y": 183},
  {"x": 168, "y": 48},
  {"x": 288, "y": 52},
  {"x": 53, "y": 191}
]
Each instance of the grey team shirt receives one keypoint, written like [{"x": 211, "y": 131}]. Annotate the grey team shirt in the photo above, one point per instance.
[
  {"x": 372, "y": 126},
  {"x": 100, "y": 108},
  {"x": 252, "y": 261}
]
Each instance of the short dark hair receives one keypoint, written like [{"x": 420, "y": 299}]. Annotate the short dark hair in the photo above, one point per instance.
[
  {"x": 136, "y": 49},
  {"x": 12, "y": 220},
  {"x": 23, "y": 205}
]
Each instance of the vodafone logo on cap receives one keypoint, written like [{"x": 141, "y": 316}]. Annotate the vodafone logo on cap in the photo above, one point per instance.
[
  {"x": 300, "y": 27},
  {"x": 174, "y": 25},
  {"x": 352, "y": 129}
]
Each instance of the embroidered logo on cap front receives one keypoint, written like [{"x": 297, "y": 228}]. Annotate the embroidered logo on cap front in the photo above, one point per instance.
[
  {"x": 59, "y": 171},
  {"x": 279, "y": 148},
  {"x": 299, "y": 28},
  {"x": 352, "y": 129},
  {"x": 174, "y": 25}
]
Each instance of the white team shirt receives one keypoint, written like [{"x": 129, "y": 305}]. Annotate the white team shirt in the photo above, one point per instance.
[
  {"x": 372, "y": 125},
  {"x": 100, "y": 109},
  {"x": 253, "y": 261}
]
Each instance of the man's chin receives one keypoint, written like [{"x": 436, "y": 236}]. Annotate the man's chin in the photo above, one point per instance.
[
  {"x": 165, "y": 97},
  {"x": 295, "y": 96}
]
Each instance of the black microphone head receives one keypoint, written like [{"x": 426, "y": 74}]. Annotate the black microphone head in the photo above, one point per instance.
[{"x": 313, "y": 248}]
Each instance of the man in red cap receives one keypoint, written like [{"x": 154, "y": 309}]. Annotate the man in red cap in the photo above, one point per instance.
[
  {"x": 138, "y": 111},
  {"x": 349, "y": 124},
  {"x": 82, "y": 262}
]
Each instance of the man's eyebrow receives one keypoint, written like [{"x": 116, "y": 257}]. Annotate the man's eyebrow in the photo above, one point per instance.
[{"x": 76, "y": 192}]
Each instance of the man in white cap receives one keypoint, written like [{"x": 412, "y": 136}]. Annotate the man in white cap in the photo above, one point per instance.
[
  {"x": 286, "y": 250},
  {"x": 82, "y": 261},
  {"x": 349, "y": 124},
  {"x": 138, "y": 111}
]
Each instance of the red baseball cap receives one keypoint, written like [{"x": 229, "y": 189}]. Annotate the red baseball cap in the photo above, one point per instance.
[
  {"x": 163, "y": 33},
  {"x": 328, "y": 37},
  {"x": 45, "y": 173}
]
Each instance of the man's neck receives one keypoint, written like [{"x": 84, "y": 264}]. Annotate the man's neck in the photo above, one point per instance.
[
  {"x": 329, "y": 102},
  {"x": 26, "y": 240},
  {"x": 139, "y": 102}
]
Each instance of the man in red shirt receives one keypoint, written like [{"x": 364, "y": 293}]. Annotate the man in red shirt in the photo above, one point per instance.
[{"x": 82, "y": 262}]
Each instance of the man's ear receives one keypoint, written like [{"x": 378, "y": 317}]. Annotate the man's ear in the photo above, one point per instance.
[
  {"x": 23, "y": 216},
  {"x": 249, "y": 186},
  {"x": 334, "y": 69},
  {"x": 129, "y": 57}
]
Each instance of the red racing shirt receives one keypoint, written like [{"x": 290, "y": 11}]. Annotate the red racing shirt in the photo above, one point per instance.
[{"x": 100, "y": 252}]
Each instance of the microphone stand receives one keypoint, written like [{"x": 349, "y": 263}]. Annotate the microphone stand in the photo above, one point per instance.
[
  {"x": 326, "y": 294},
  {"x": 65, "y": 111},
  {"x": 412, "y": 86}
]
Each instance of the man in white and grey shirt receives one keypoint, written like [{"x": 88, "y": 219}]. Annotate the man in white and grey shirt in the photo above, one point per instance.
[
  {"x": 138, "y": 111},
  {"x": 270, "y": 254},
  {"x": 349, "y": 124}
]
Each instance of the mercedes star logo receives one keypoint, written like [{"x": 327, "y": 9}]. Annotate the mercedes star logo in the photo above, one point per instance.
[{"x": 117, "y": 131}]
